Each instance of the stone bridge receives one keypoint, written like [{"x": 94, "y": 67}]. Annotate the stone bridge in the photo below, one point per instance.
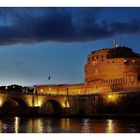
[
  {"x": 24, "y": 103},
  {"x": 65, "y": 104}
]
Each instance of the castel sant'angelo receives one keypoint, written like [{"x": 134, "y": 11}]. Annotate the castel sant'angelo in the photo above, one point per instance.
[
  {"x": 109, "y": 70},
  {"x": 112, "y": 85}
]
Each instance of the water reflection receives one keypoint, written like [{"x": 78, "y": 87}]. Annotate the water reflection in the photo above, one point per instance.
[
  {"x": 49, "y": 127},
  {"x": 17, "y": 121},
  {"x": 66, "y": 125},
  {"x": 110, "y": 126},
  {"x": 30, "y": 126},
  {"x": 34, "y": 126},
  {"x": 37, "y": 125},
  {"x": 1, "y": 126},
  {"x": 85, "y": 127}
]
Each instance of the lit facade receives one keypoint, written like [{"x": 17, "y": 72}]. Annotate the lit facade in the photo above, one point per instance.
[
  {"x": 107, "y": 70},
  {"x": 112, "y": 85}
]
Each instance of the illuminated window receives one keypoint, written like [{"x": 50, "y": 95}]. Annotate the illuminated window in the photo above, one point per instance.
[
  {"x": 126, "y": 61},
  {"x": 131, "y": 78}
]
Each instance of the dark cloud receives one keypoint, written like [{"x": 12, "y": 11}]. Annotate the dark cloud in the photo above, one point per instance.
[
  {"x": 126, "y": 27},
  {"x": 29, "y": 25}
]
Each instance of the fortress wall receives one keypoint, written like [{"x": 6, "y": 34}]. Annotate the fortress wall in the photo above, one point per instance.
[
  {"x": 60, "y": 89},
  {"x": 103, "y": 74},
  {"x": 113, "y": 71}
]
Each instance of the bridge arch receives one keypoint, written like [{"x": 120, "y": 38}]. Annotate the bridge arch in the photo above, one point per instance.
[
  {"x": 15, "y": 105},
  {"x": 51, "y": 107}
]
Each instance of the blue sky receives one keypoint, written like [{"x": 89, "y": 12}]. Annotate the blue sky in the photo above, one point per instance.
[{"x": 38, "y": 42}]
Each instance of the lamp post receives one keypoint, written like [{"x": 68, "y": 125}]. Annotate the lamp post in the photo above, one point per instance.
[{"x": 34, "y": 92}]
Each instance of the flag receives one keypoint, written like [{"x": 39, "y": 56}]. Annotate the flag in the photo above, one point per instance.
[{"x": 49, "y": 77}]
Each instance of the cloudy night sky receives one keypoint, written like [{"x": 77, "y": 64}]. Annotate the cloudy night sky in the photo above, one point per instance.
[{"x": 38, "y": 42}]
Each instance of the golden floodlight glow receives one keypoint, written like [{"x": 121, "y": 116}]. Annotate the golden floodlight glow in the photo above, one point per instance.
[
  {"x": 110, "y": 96},
  {"x": 39, "y": 103},
  {"x": 1, "y": 102},
  {"x": 41, "y": 90},
  {"x": 36, "y": 105},
  {"x": 65, "y": 104}
]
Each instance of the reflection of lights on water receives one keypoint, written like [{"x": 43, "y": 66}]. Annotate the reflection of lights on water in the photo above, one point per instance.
[
  {"x": 1, "y": 126},
  {"x": 35, "y": 126},
  {"x": 65, "y": 124},
  {"x": 38, "y": 125},
  {"x": 30, "y": 126},
  {"x": 85, "y": 128},
  {"x": 49, "y": 127},
  {"x": 110, "y": 126},
  {"x": 17, "y": 120}
]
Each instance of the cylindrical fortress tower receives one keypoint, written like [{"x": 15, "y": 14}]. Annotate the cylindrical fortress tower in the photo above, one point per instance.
[{"x": 115, "y": 65}]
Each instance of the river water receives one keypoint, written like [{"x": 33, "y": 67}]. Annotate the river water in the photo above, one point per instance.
[{"x": 67, "y": 125}]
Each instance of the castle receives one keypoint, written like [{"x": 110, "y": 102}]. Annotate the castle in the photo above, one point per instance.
[
  {"x": 109, "y": 70},
  {"x": 112, "y": 85}
]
